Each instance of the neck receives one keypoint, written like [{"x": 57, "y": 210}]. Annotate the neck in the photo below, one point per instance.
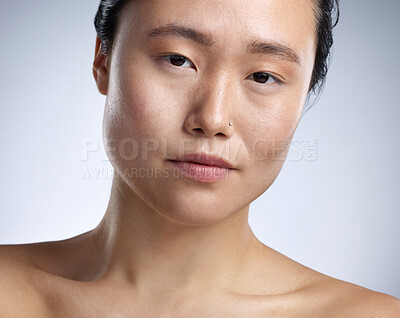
[{"x": 144, "y": 248}]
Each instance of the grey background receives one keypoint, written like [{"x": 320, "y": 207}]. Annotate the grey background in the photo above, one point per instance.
[{"x": 337, "y": 213}]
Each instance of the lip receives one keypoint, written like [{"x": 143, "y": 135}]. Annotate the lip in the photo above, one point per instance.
[
  {"x": 206, "y": 159},
  {"x": 203, "y": 167}
]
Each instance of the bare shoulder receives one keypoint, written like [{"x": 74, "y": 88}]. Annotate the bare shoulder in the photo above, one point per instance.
[
  {"x": 320, "y": 295},
  {"x": 29, "y": 273},
  {"x": 375, "y": 304},
  {"x": 19, "y": 296},
  {"x": 346, "y": 300},
  {"x": 366, "y": 303}
]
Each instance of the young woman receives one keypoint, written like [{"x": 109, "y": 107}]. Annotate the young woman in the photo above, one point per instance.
[{"x": 203, "y": 99}]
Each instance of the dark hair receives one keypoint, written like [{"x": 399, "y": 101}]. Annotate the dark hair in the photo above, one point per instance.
[{"x": 106, "y": 22}]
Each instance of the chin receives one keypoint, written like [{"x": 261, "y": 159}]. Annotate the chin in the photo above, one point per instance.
[
  {"x": 193, "y": 209},
  {"x": 183, "y": 205}
]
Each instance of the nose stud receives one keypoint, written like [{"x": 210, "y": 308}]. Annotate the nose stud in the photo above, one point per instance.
[{"x": 230, "y": 124}]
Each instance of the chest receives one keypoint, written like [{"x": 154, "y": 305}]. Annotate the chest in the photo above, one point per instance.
[{"x": 110, "y": 306}]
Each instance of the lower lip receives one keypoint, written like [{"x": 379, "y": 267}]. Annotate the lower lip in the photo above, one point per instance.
[{"x": 200, "y": 172}]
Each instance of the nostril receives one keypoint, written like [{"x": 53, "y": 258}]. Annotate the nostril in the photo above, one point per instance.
[{"x": 198, "y": 129}]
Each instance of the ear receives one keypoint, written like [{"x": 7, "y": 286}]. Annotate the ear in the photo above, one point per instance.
[{"x": 101, "y": 68}]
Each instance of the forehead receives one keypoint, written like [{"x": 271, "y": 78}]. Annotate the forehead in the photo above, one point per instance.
[{"x": 230, "y": 22}]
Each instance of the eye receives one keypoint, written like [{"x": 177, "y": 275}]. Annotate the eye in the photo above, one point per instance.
[
  {"x": 178, "y": 60},
  {"x": 264, "y": 78}
]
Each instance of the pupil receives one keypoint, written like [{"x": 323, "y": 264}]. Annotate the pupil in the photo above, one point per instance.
[
  {"x": 261, "y": 77},
  {"x": 178, "y": 60}
]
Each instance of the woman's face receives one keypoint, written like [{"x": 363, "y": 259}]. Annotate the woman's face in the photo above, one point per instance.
[{"x": 248, "y": 62}]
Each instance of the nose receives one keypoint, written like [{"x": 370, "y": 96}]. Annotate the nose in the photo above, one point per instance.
[{"x": 210, "y": 115}]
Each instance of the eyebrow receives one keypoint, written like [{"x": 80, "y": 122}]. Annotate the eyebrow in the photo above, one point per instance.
[
  {"x": 274, "y": 48},
  {"x": 271, "y": 48},
  {"x": 173, "y": 30}
]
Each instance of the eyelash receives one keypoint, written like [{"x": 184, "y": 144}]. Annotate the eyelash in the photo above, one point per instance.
[{"x": 166, "y": 57}]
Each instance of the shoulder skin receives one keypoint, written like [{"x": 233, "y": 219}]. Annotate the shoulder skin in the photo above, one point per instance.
[
  {"x": 19, "y": 296},
  {"x": 348, "y": 300}
]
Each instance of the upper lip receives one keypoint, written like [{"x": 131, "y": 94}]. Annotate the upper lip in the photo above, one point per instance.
[{"x": 206, "y": 159}]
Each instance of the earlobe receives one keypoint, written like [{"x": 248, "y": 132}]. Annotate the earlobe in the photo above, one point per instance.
[{"x": 100, "y": 69}]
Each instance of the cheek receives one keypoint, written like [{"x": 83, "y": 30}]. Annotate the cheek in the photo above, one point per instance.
[
  {"x": 144, "y": 113},
  {"x": 148, "y": 99},
  {"x": 271, "y": 145},
  {"x": 276, "y": 123},
  {"x": 133, "y": 108},
  {"x": 131, "y": 118},
  {"x": 268, "y": 145}
]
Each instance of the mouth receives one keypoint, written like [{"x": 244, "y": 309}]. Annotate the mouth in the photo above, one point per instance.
[
  {"x": 201, "y": 172},
  {"x": 205, "y": 160}
]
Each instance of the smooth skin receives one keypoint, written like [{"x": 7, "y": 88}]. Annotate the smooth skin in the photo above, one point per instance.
[{"x": 170, "y": 246}]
